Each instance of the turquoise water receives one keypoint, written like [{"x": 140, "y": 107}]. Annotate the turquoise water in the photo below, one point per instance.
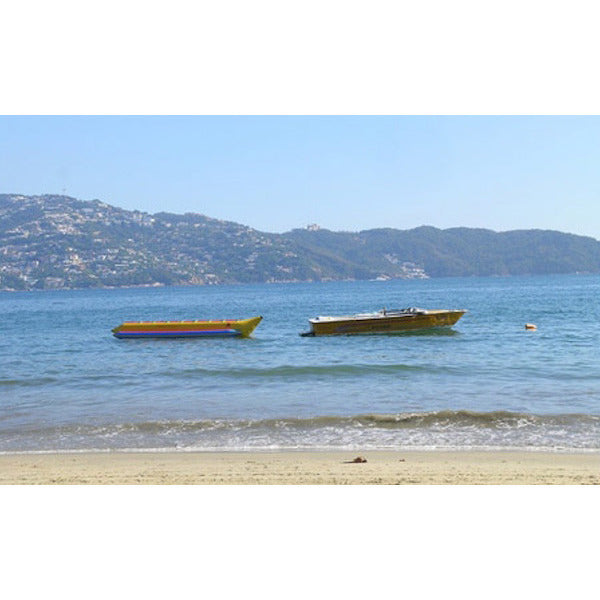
[{"x": 66, "y": 383}]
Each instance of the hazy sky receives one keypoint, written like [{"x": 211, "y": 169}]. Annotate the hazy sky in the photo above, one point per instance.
[{"x": 344, "y": 173}]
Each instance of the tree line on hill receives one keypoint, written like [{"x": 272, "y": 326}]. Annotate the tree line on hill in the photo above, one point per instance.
[{"x": 60, "y": 242}]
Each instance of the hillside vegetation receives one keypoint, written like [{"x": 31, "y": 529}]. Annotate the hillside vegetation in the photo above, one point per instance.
[{"x": 59, "y": 242}]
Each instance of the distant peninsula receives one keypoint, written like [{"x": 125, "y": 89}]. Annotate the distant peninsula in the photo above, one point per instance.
[{"x": 59, "y": 242}]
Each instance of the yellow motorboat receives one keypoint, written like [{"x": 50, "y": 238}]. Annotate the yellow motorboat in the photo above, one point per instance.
[
  {"x": 187, "y": 329},
  {"x": 384, "y": 321}
]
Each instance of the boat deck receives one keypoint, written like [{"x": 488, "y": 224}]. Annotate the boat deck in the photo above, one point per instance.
[{"x": 384, "y": 321}]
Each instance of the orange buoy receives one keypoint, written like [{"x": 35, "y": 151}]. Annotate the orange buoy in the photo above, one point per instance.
[{"x": 530, "y": 326}]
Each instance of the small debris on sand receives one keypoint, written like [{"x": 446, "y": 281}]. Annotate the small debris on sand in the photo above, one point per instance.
[{"x": 359, "y": 459}]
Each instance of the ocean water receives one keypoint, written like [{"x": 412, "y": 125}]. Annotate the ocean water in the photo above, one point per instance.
[{"x": 67, "y": 384}]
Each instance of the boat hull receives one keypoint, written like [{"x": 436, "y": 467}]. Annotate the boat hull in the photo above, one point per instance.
[
  {"x": 385, "y": 324},
  {"x": 186, "y": 329}
]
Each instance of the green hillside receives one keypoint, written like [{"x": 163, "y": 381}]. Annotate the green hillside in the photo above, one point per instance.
[{"x": 50, "y": 242}]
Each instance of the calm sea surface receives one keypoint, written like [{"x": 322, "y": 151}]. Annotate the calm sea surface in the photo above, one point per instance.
[{"x": 66, "y": 383}]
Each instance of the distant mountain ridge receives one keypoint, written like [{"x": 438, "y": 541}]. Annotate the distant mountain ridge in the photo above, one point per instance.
[{"x": 52, "y": 241}]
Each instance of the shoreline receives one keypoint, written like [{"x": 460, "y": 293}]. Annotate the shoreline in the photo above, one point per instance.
[{"x": 301, "y": 467}]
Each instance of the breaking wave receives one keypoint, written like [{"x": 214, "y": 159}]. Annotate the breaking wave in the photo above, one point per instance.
[{"x": 439, "y": 429}]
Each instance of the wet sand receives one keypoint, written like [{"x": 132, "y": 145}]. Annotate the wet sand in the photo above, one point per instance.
[{"x": 301, "y": 468}]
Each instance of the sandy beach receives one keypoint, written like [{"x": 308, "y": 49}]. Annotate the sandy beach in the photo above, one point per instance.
[{"x": 301, "y": 468}]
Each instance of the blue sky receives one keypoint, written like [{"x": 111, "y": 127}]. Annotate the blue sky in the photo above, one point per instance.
[{"x": 344, "y": 173}]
